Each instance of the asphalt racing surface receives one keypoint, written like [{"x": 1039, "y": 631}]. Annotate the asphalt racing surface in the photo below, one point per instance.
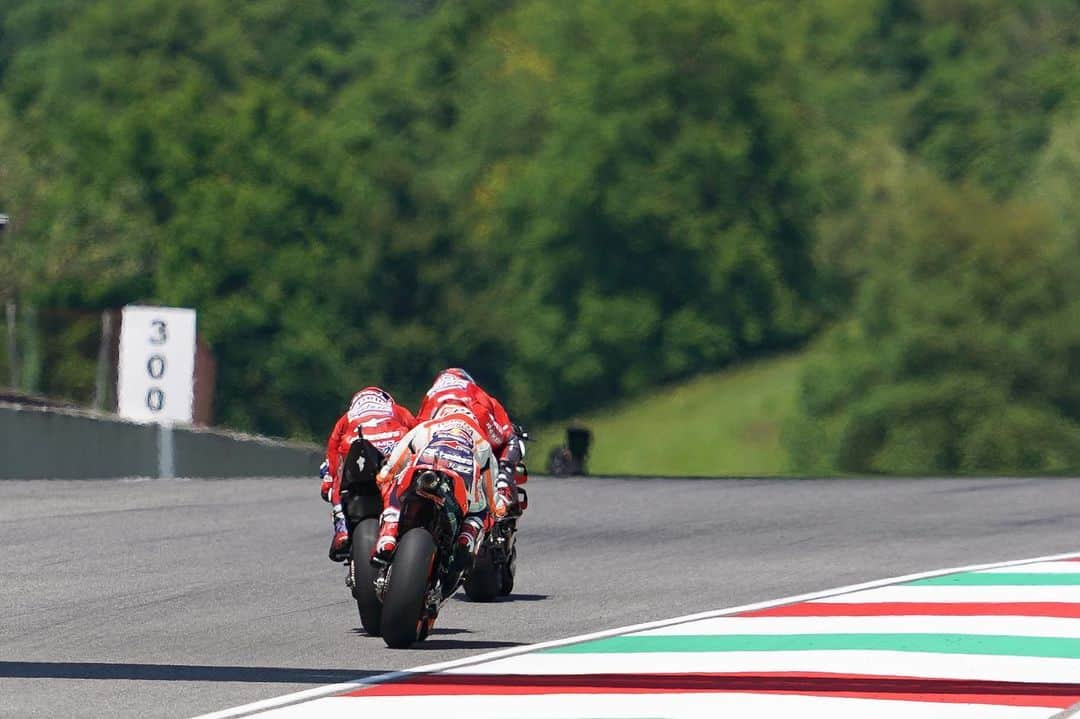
[{"x": 172, "y": 598}]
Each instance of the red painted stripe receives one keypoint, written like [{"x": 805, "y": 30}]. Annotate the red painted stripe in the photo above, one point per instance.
[
  {"x": 944, "y": 609},
  {"x": 862, "y": 686}
]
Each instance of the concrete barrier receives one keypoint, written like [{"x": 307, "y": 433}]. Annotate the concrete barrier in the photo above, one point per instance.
[{"x": 52, "y": 443}]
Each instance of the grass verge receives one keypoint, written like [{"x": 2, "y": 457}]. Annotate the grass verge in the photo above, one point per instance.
[{"x": 721, "y": 424}]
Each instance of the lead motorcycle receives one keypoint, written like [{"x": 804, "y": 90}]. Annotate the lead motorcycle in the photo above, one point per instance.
[
  {"x": 493, "y": 571},
  {"x": 401, "y": 599},
  {"x": 362, "y": 502}
]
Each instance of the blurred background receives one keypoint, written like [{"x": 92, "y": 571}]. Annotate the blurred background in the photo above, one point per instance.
[{"x": 828, "y": 236}]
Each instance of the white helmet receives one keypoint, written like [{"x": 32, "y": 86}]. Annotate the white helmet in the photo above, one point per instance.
[{"x": 450, "y": 408}]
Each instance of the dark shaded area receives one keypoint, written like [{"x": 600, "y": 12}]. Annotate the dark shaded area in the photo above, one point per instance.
[
  {"x": 528, "y": 597},
  {"x": 437, "y": 631},
  {"x": 433, "y": 644},
  {"x": 180, "y": 672},
  {"x": 460, "y": 596}
]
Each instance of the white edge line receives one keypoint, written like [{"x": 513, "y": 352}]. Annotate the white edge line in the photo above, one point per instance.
[{"x": 324, "y": 691}]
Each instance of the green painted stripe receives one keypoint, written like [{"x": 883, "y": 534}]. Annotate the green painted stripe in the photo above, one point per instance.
[
  {"x": 977, "y": 579},
  {"x": 933, "y": 643}
]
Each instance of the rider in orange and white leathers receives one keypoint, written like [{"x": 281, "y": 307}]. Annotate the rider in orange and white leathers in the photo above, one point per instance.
[
  {"x": 375, "y": 416},
  {"x": 454, "y": 386},
  {"x": 451, "y": 441}
]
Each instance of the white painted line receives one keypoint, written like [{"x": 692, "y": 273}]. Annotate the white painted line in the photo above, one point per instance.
[
  {"x": 926, "y": 665},
  {"x": 1041, "y": 568},
  {"x": 309, "y": 694}
]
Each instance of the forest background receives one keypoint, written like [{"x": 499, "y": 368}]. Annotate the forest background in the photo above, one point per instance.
[{"x": 578, "y": 201}]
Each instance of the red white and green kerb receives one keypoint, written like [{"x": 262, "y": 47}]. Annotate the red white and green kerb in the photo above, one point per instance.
[{"x": 990, "y": 642}]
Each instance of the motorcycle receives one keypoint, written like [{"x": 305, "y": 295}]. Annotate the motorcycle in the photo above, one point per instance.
[
  {"x": 427, "y": 566},
  {"x": 362, "y": 502},
  {"x": 493, "y": 571}
]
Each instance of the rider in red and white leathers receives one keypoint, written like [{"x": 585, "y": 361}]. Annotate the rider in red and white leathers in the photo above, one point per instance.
[
  {"x": 451, "y": 441},
  {"x": 375, "y": 416},
  {"x": 454, "y": 386}
]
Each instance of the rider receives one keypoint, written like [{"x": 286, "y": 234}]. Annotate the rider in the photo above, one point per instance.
[
  {"x": 374, "y": 415},
  {"x": 454, "y": 386},
  {"x": 451, "y": 442}
]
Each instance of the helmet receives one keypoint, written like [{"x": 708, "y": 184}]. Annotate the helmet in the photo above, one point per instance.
[
  {"x": 370, "y": 399},
  {"x": 375, "y": 390},
  {"x": 452, "y": 407},
  {"x": 458, "y": 372}
]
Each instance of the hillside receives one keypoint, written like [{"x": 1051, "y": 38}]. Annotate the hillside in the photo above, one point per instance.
[{"x": 719, "y": 424}]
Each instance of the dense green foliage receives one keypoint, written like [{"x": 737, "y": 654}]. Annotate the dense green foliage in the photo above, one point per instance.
[
  {"x": 577, "y": 201},
  {"x": 365, "y": 195},
  {"x": 964, "y": 348},
  {"x": 957, "y": 250}
]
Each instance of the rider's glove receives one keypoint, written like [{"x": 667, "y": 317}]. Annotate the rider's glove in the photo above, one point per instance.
[{"x": 327, "y": 481}]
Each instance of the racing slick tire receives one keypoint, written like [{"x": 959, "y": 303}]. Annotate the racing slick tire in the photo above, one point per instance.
[
  {"x": 407, "y": 584},
  {"x": 363, "y": 589},
  {"x": 484, "y": 579}
]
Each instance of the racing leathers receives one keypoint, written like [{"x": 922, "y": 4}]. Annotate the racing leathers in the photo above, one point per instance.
[
  {"x": 372, "y": 415},
  {"x": 455, "y": 386},
  {"x": 453, "y": 443}
]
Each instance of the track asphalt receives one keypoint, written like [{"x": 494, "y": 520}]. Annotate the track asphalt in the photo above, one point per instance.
[{"x": 174, "y": 598}]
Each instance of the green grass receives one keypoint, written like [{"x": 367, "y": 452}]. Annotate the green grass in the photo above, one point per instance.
[{"x": 720, "y": 424}]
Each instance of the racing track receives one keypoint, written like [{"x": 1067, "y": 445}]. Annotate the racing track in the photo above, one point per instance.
[{"x": 175, "y": 598}]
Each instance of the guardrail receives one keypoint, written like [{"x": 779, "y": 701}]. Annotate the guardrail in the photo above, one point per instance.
[{"x": 53, "y": 443}]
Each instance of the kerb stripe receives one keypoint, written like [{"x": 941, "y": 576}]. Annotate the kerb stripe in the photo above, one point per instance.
[{"x": 1068, "y": 610}]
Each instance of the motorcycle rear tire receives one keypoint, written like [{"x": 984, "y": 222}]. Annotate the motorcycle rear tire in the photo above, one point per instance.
[
  {"x": 407, "y": 585},
  {"x": 508, "y": 571},
  {"x": 367, "y": 602},
  {"x": 484, "y": 579}
]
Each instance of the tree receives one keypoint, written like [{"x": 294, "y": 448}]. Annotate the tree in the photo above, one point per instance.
[{"x": 962, "y": 353}]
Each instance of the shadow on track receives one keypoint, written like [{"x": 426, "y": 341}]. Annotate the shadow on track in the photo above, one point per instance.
[
  {"x": 179, "y": 672},
  {"x": 437, "y": 630},
  {"x": 527, "y": 597},
  {"x": 428, "y": 644},
  {"x": 462, "y": 597},
  {"x": 432, "y": 643}
]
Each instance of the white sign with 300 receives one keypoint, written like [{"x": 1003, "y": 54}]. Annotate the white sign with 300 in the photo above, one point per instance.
[{"x": 157, "y": 363}]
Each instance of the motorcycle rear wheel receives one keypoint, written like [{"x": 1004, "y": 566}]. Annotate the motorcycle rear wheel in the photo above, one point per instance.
[
  {"x": 484, "y": 579},
  {"x": 508, "y": 571},
  {"x": 403, "y": 604},
  {"x": 364, "y": 535}
]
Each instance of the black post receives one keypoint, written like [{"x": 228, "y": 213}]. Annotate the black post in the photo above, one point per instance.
[
  {"x": 578, "y": 439},
  {"x": 569, "y": 459}
]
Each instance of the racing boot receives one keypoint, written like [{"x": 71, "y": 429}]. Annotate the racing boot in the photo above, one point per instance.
[
  {"x": 506, "y": 497},
  {"x": 339, "y": 546},
  {"x": 471, "y": 534},
  {"x": 386, "y": 542},
  {"x": 464, "y": 553}
]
